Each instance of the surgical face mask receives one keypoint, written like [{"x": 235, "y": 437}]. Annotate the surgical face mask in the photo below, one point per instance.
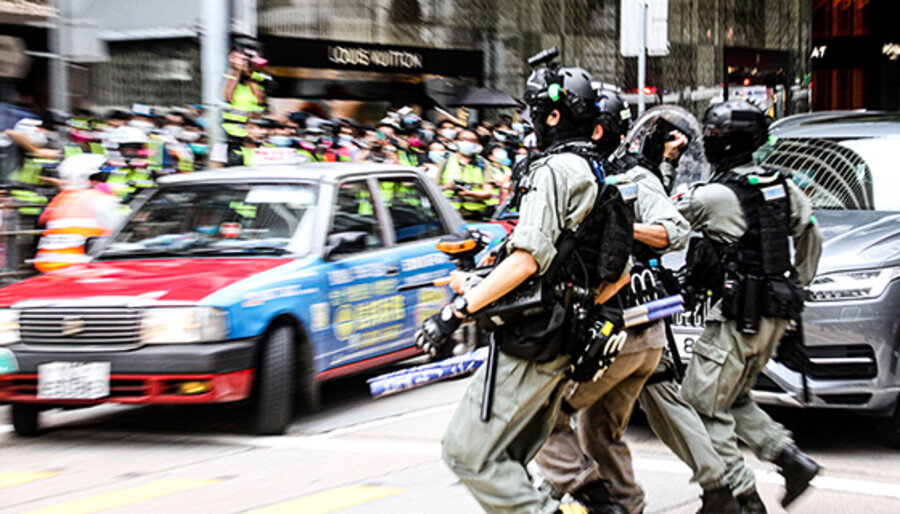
[
  {"x": 280, "y": 141},
  {"x": 499, "y": 137},
  {"x": 173, "y": 130},
  {"x": 199, "y": 149},
  {"x": 469, "y": 148},
  {"x": 345, "y": 138},
  {"x": 189, "y": 137},
  {"x": 146, "y": 126},
  {"x": 518, "y": 127},
  {"x": 435, "y": 156},
  {"x": 500, "y": 155},
  {"x": 427, "y": 134},
  {"x": 520, "y": 158},
  {"x": 449, "y": 133}
]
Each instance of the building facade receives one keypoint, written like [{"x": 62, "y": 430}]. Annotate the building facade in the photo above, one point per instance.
[{"x": 716, "y": 46}]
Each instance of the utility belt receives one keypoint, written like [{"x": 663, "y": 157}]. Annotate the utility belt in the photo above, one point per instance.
[{"x": 750, "y": 297}]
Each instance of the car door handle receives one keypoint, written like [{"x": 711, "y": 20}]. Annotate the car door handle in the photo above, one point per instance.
[{"x": 391, "y": 270}]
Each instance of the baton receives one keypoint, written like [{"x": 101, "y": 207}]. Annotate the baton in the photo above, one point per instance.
[{"x": 487, "y": 397}]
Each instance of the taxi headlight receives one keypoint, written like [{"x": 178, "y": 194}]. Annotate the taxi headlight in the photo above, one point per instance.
[
  {"x": 9, "y": 326},
  {"x": 852, "y": 285},
  {"x": 174, "y": 325}
]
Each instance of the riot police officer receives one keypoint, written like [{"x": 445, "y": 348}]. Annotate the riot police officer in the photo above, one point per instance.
[
  {"x": 747, "y": 215},
  {"x": 561, "y": 197},
  {"x": 584, "y": 464}
]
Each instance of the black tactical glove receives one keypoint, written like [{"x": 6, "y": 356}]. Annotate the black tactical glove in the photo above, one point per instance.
[
  {"x": 602, "y": 343},
  {"x": 437, "y": 330}
]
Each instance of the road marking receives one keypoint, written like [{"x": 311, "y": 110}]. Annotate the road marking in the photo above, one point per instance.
[
  {"x": 125, "y": 496},
  {"x": 332, "y": 501},
  {"x": 11, "y": 478}
]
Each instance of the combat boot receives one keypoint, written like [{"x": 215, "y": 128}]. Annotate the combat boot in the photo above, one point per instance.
[
  {"x": 719, "y": 501},
  {"x": 797, "y": 469},
  {"x": 752, "y": 503},
  {"x": 596, "y": 497}
]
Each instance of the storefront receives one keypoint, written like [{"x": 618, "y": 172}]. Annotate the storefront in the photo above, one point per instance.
[{"x": 362, "y": 80}]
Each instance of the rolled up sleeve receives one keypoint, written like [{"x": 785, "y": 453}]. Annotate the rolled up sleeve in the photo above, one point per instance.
[{"x": 539, "y": 223}]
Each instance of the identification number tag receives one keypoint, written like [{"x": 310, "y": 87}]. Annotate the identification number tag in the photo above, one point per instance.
[
  {"x": 773, "y": 193},
  {"x": 628, "y": 191},
  {"x": 73, "y": 380},
  {"x": 685, "y": 338}
]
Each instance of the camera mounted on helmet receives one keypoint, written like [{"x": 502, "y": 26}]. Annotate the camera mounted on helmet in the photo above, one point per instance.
[{"x": 563, "y": 88}]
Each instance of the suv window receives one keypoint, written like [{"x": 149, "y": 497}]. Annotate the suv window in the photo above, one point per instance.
[
  {"x": 412, "y": 214},
  {"x": 832, "y": 175},
  {"x": 354, "y": 212}
]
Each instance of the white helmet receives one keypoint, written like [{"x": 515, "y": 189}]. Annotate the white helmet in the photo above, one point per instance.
[
  {"x": 31, "y": 129},
  {"x": 77, "y": 169}
]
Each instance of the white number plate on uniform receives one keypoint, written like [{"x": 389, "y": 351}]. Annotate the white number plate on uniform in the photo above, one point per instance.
[
  {"x": 73, "y": 380},
  {"x": 685, "y": 338}
]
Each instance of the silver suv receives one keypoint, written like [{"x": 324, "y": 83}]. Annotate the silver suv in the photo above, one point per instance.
[{"x": 849, "y": 165}]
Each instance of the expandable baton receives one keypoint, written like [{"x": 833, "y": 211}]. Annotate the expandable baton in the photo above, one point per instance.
[{"x": 487, "y": 396}]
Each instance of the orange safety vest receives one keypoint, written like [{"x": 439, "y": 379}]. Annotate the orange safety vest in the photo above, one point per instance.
[{"x": 70, "y": 219}]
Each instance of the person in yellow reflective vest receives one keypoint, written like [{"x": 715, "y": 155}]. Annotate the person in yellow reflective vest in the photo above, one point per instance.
[
  {"x": 129, "y": 162},
  {"x": 244, "y": 96},
  {"x": 76, "y": 214},
  {"x": 501, "y": 175},
  {"x": 466, "y": 178},
  {"x": 31, "y": 140}
]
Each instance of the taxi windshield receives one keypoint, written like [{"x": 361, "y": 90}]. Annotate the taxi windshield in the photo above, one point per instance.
[{"x": 222, "y": 219}]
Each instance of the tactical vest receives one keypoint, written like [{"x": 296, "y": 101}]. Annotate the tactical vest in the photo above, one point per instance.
[
  {"x": 764, "y": 249},
  {"x": 757, "y": 278},
  {"x": 602, "y": 243},
  {"x": 595, "y": 252}
]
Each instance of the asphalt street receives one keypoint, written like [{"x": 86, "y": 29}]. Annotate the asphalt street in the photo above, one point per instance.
[{"x": 357, "y": 456}]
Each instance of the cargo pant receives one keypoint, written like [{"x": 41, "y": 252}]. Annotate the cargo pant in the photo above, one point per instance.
[
  {"x": 717, "y": 384},
  {"x": 490, "y": 458},
  {"x": 679, "y": 426},
  {"x": 571, "y": 459}
]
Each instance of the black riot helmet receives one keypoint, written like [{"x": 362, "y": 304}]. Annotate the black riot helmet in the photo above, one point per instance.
[
  {"x": 612, "y": 110},
  {"x": 551, "y": 86},
  {"x": 732, "y": 131}
]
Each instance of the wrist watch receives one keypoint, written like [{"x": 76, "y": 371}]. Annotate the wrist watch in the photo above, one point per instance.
[{"x": 461, "y": 306}]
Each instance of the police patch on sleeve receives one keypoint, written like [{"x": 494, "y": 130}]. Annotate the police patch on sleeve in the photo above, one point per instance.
[
  {"x": 773, "y": 193},
  {"x": 628, "y": 191}
]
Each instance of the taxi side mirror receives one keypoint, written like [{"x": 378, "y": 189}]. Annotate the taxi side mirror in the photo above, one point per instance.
[
  {"x": 92, "y": 245},
  {"x": 344, "y": 243}
]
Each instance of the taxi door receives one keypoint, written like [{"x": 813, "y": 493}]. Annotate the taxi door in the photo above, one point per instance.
[
  {"x": 416, "y": 225},
  {"x": 367, "y": 313}
]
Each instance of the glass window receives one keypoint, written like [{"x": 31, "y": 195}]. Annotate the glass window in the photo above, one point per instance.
[
  {"x": 845, "y": 175},
  {"x": 412, "y": 214},
  {"x": 354, "y": 212},
  {"x": 225, "y": 219}
]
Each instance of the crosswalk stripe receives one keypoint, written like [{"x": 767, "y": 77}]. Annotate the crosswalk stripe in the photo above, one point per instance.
[
  {"x": 127, "y": 496},
  {"x": 11, "y": 478},
  {"x": 332, "y": 501}
]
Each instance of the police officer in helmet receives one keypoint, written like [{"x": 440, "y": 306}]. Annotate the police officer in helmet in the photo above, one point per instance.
[
  {"x": 592, "y": 462},
  {"x": 748, "y": 216},
  {"x": 561, "y": 192}
]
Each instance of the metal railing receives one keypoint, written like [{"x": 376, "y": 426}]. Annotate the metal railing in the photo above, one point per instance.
[{"x": 18, "y": 242}]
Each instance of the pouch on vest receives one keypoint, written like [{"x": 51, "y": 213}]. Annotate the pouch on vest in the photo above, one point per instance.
[
  {"x": 536, "y": 338},
  {"x": 783, "y": 299}
]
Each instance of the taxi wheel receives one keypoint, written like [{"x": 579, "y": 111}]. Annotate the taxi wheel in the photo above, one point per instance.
[
  {"x": 25, "y": 419},
  {"x": 309, "y": 397},
  {"x": 273, "y": 398},
  {"x": 888, "y": 429}
]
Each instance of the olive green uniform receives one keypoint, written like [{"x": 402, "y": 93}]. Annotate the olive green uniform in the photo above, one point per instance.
[
  {"x": 726, "y": 362},
  {"x": 595, "y": 449},
  {"x": 490, "y": 458}
]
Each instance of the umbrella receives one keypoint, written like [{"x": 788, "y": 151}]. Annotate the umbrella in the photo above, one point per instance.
[{"x": 484, "y": 97}]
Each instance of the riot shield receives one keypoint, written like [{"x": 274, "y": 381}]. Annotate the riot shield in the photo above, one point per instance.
[{"x": 649, "y": 133}]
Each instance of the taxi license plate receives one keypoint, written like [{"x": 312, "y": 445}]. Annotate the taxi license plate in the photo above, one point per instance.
[{"x": 73, "y": 380}]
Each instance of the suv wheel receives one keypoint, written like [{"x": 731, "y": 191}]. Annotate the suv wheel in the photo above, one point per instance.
[
  {"x": 888, "y": 429},
  {"x": 25, "y": 419},
  {"x": 273, "y": 398}
]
